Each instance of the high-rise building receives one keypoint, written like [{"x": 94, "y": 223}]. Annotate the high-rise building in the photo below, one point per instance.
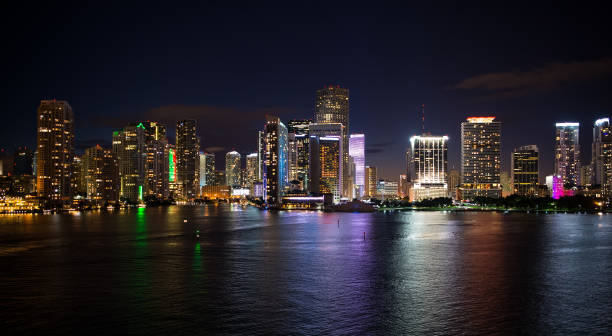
[
  {"x": 480, "y": 157},
  {"x": 586, "y": 175},
  {"x": 157, "y": 167},
  {"x": 22, "y": 160},
  {"x": 454, "y": 180},
  {"x": 219, "y": 177},
  {"x": 232, "y": 169},
  {"x": 387, "y": 189},
  {"x": 332, "y": 106},
  {"x": 55, "y": 150},
  {"x": 428, "y": 167},
  {"x": 567, "y": 153},
  {"x": 210, "y": 169},
  {"x": 252, "y": 160},
  {"x": 77, "y": 177},
  {"x": 357, "y": 152},
  {"x": 202, "y": 169},
  {"x": 101, "y": 175},
  {"x": 276, "y": 172},
  {"x": 371, "y": 177},
  {"x": 6, "y": 163},
  {"x": 152, "y": 129},
  {"x": 525, "y": 170},
  {"x": 601, "y": 160},
  {"x": 505, "y": 181},
  {"x": 130, "y": 149},
  {"x": 261, "y": 151},
  {"x": 326, "y": 171},
  {"x": 188, "y": 158},
  {"x": 299, "y": 153}
]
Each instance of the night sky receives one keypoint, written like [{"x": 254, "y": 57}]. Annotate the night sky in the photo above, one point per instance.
[{"x": 228, "y": 67}]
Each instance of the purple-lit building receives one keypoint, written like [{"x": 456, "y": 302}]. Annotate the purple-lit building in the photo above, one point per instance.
[{"x": 357, "y": 152}]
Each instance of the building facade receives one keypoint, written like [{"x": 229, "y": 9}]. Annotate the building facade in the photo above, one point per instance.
[
  {"x": 427, "y": 168},
  {"x": 371, "y": 176},
  {"x": 252, "y": 161},
  {"x": 299, "y": 153},
  {"x": 55, "y": 136},
  {"x": 232, "y": 169},
  {"x": 567, "y": 153},
  {"x": 601, "y": 161},
  {"x": 326, "y": 171},
  {"x": 130, "y": 150},
  {"x": 188, "y": 158},
  {"x": 276, "y": 170},
  {"x": 480, "y": 158},
  {"x": 524, "y": 165},
  {"x": 357, "y": 152}
]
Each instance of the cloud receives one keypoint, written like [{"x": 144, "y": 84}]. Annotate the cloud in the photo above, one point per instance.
[
  {"x": 81, "y": 145},
  {"x": 553, "y": 76},
  {"x": 377, "y": 147}
]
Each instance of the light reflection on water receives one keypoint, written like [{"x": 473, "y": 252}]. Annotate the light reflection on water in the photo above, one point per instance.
[{"x": 261, "y": 272}]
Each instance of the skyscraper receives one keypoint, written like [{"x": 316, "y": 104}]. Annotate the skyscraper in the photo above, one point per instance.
[
  {"x": 332, "y": 106},
  {"x": 326, "y": 165},
  {"x": 210, "y": 169},
  {"x": 261, "y": 151},
  {"x": 55, "y": 150},
  {"x": 567, "y": 153},
  {"x": 525, "y": 172},
  {"x": 202, "y": 169},
  {"x": 22, "y": 161},
  {"x": 428, "y": 167},
  {"x": 157, "y": 167},
  {"x": 101, "y": 174},
  {"x": 188, "y": 158},
  {"x": 232, "y": 169},
  {"x": 371, "y": 177},
  {"x": 251, "y": 169},
  {"x": 454, "y": 180},
  {"x": 298, "y": 150},
  {"x": 129, "y": 148},
  {"x": 480, "y": 157},
  {"x": 276, "y": 170},
  {"x": 357, "y": 152},
  {"x": 601, "y": 160}
]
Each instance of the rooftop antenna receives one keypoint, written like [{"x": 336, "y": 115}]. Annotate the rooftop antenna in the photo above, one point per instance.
[{"x": 422, "y": 118}]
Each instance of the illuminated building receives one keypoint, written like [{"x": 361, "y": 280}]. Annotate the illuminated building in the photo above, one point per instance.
[
  {"x": 202, "y": 169},
  {"x": 171, "y": 163},
  {"x": 480, "y": 158},
  {"x": 567, "y": 153},
  {"x": 252, "y": 161},
  {"x": 22, "y": 160},
  {"x": 586, "y": 175},
  {"x": 216, "y": 192},
  {"x": 210, "y": 169},
  {"x": 129, "y": 148},
  {"x": 77, "y": 177},
  {"x": 525, "y": 171},
  {"x": 188, "y": 158},
  {"x": 6, "y": 163},
  {"x": 428, "y": 167},
  {"x": 276, "y": 172},
  {"x": 326, "y": 165},
  {"x": 261, "y": 152},
  {"x": 601, "y": 160},
  {"x": 157, "y": 168},
  {"x": 55, "y": 135},
  {"x": 557, "y": 187},
  {"x": 101, "y": 174},
  {"x": 232, "y": 169},
  {"x": 219, "y": 177},
  {"x": 454, "y": 180},
  {"x": 357, "y": 152},
  {"x": 299, "y": 153},
  {"x": 152, "y": 129},
  {"x": 387, "y": 189},
  {"x": 332, "y": 106},
  {"x": 505, "y": 181},
  {"x": 371, "y": 177}
]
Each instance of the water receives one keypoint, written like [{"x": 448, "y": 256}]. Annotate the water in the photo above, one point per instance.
[{"x": 263, "y": 273}]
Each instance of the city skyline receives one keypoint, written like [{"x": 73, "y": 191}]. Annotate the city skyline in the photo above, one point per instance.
[{"x": 453, "y": 59}]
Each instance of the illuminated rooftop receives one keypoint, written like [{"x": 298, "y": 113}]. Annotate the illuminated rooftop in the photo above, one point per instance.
[
  {"x": 567, "y": 124},
  {"x": 480, "y": 119},
  {"x": 598, "y": 122}
]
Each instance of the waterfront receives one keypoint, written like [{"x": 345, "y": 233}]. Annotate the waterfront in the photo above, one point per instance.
[{"x": 261, "y": 272}]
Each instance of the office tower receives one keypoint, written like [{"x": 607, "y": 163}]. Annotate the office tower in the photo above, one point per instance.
[
  {"x": 326, "y": 165},
  {"x": 276, "y": 170},
  {"x": 55, "y": 150},
  {"x": 371, "y": 177},
  {"x": 428, "y": 167},
  {"x": 157, "y": 167},
  {"x": 101, "y": 174},
  {"x": 6, "y": 163},
  {"x": 202, "y": 169},
  {"x": 252, "y": 161},
  {"x": 601, "y": 160},
  {"x": 567, "y": 153},
  {"x": 387, "y": 189},
  {"x": 152, "y": 129},
  {"x": 586, "y": 175},
  {"x": 525, "y": 170},
  {"x": 299, "y": 152},
  {"x": 188, "y": 158},
  {"x": 219, "y": 177},
  {"x": 454, "y": 180},
  {"x": 480, "y": 157},
  {"x": 261, "y": 151},
  {"x": 209, "y": 169},
  {"x": 357, "y": 152},
  {"x": 332, "y": 106},
  {"x": 130, "y": 151},
  {"x": 505, "y": 181},
  {"x": 22, "y": 160},
  {"x": 77, "y": 177},
  {"x": 171, "y": 164},
  {"x": 232, "y": 169}
]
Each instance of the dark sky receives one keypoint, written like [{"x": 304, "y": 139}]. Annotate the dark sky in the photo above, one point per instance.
[{"x": 227, "y": 67}]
